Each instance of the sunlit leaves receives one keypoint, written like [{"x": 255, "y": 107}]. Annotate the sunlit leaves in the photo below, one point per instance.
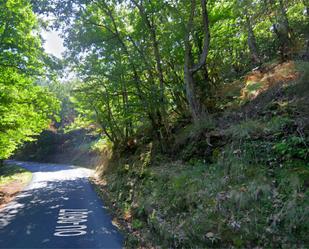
[
  {"x": 25, "y": 108},
  {"x": 110, "y": 45}
]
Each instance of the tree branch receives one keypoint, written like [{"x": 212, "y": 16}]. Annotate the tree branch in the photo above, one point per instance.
[{"x": 204, "y": 55}]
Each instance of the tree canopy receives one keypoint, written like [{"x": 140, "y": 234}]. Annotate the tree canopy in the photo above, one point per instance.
[
  {"x": 145, "y": 64},
  {"x": 25, "y": 107},
  {"x": 194, "y": 112},
  {"x": 149, "y": 63}
]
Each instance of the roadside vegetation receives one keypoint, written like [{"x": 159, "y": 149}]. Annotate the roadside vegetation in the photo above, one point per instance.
[
  {"x": 12, "y": 180},
  {"x": 26, "y": 107},
  {"x": 232, "y": 182},
  {"x": 194, "y": 113}
]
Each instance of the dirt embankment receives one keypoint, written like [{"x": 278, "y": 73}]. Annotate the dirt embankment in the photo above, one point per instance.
[{"x": 13, "y": 179}]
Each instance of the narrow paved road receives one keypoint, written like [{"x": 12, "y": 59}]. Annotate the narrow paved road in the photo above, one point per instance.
[{"x": 59, "y": 209}]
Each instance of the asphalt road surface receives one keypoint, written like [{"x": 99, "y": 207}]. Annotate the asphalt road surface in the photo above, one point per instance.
[{"x": 58, "y": 209}]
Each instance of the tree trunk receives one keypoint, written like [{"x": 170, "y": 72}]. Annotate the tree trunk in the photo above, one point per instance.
[
  {"x": 285, "y": 20},
  {"x": 284, "y": 33},
  {"x": 104, "y": 129},
  {"x": 152, "y": 30},
  {"x": 137, "y": 80},
  {"x": 195, "y": 104},
  {"x": 252, "y": 44},
  {"x": 125, "y": 103},
  {"x": 155, "y": 44}
]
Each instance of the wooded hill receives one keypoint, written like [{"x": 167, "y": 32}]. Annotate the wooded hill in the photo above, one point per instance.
[{"x": 196, "y": 113}]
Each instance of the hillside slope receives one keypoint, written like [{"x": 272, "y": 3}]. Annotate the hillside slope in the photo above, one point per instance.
[{"x": 238, "y": 179}]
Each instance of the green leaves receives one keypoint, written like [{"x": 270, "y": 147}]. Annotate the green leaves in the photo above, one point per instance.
[
  {"x": 292, "y": 147},
  {"x": 25, "y": 108},
  {"x": 130, "y": 55}
]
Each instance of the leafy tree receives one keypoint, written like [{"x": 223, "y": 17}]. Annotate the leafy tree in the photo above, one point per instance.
[
  {"x": 151, "y": 63},
  {"x": 25, "y": 108}
]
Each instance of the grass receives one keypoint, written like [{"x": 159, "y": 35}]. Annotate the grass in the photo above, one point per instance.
[
  {"x": 251, "y": 197},
  {"x": 253, "y": 193},
  {"x": 12, "y": 173}
]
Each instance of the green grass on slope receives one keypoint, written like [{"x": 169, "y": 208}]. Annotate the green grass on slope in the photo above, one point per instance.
[
  {"x": 246, "y": 199},
  {"x": 252, "y": 190}
]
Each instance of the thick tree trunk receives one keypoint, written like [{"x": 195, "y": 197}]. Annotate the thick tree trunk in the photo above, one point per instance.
[{"x": 195, "y": 104}]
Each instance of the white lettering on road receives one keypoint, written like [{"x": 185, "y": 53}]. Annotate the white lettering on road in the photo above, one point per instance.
[{"x": 70, "y": 220}]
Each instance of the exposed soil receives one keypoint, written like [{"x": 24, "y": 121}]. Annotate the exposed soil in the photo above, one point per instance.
[{"x": 9, "y": 191}]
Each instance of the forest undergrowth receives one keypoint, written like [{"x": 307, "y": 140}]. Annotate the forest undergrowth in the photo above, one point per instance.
[{"x": 238, "y": 179}]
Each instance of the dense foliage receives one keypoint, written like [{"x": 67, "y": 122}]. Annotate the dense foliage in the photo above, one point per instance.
[
  {"x": 25, "y": 108},
  {"x": 231, "y": 182},
  {"x": 204, "y": 101},
  {"x": 148, "y": 63}
]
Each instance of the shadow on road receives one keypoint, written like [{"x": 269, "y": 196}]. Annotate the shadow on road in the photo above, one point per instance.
[{"x": 30, "y": 220}]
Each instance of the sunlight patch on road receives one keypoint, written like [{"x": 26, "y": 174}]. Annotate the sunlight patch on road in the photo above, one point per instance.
[
  {"x": 10, "y": 212},
  {"x": 45, "y": 176},
  {"x": 41, "y": 179}
]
